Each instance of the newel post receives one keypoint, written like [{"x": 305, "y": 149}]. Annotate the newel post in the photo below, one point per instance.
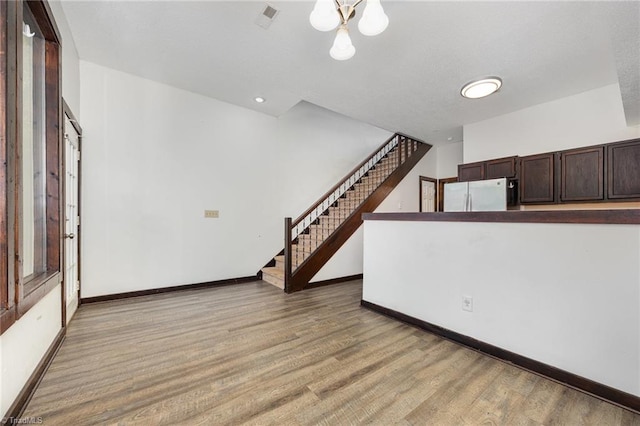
[{"x": 287, "y": 254}]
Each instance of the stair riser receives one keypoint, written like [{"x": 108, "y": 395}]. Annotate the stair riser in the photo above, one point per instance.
[
  {"x": 327, "y": 224},
  {"x": 305, "y": 249},
  {"x": 298, "y": 258},
  {"x": 308, "y": 244},
  {"x": 335, "y": 216},
  {"x": 344, "y": 207},
  {"x": 294, "y": 264},
  {"x": 320, "y": 232},
  {"x": 356, "y": 192},
  {"x": 273, "y": 281},
  {"x": 313, "y": 236},
  {"x": 352, "y": 195}
]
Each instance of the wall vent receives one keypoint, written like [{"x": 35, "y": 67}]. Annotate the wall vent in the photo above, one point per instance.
[{"x": 267, "y": 16}]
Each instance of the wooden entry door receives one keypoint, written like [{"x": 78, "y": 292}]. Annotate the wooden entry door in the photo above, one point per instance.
[{"x": 72, "y": 137}]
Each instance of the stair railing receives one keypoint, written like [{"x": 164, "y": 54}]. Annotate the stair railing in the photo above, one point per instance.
[{"x": 400, "y": 146}]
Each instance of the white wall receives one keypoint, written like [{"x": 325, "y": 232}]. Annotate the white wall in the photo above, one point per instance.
[
  {"x": 316, "y": 149},
  {"x": 449, "y": 156},
  {"x": 565, "y": 295},
  {"x": 70, "y": 60},
  {"x": 404, "y": 198},
  {"x": 155, "y": 157},
  {"x": 589, "y": 118},
  {"x": 24, "y": 344}
]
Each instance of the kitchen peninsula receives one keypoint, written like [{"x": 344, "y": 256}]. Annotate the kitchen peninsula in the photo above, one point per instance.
[{"x": 557, "y": 292}]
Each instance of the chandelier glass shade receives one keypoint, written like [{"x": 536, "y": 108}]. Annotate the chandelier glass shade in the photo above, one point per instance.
[
  {"x": 325, "y": 16},
  {"x": 342, "y": 48},
  {"x": 329, "y": 14}
]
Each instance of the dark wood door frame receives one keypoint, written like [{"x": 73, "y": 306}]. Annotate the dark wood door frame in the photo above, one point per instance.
[
  {"x": 76, "y": 126},
  {"x": 441, "y": 183}
]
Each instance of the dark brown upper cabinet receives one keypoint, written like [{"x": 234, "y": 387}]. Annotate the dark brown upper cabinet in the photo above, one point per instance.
[
  {"x": 471, "y": 171},
  {"x": 502, "y": 167},
  {"x": 623, "y": 170},
  {"x": 536, "y": 178},
  {"x": 582, "y": 174},
  {"x": 599, "y": 173}
]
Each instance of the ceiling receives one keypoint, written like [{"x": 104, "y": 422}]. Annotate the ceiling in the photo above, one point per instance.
[{"x": 405, "y": 80}]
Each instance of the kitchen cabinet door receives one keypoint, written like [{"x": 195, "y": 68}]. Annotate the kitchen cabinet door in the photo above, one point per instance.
[
  {"x": 582, "y": 174},
  {"x": 502, "y": 167},
  {"x": 623, "y": 161},
  {"x": 536, "y": 178},
  {"x": 470, "y": 171}
]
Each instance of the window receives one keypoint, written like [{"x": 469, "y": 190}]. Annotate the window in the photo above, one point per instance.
[
  {"x": 33, "y": 151},
  {"x": 30, "y": 192}
]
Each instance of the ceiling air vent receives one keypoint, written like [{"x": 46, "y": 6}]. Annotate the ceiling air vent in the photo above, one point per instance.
[{"x": 267, "y": 16}]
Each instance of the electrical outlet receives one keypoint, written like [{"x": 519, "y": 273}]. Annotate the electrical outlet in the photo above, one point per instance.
[
  {"x": 467, "y": 303},
  {"x": 211, "y": 214}
]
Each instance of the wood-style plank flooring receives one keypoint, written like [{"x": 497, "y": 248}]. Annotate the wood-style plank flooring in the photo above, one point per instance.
[{"x": 250, "y": 354}]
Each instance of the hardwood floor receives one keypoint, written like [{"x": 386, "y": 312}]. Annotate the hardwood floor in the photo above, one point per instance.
[{"x": 250, "y": 354}]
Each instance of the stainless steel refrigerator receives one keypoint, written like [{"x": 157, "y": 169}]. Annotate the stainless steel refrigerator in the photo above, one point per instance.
[{"x": 477, "y": 196}]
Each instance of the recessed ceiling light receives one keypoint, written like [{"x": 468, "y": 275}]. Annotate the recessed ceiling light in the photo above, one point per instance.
[
  {"x": 259, "y": 99},
  {"x": 481, "y": 88}
]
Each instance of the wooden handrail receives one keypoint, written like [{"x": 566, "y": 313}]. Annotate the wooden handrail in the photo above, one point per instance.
[
  {"x": 342, "y": 181},
  {"x": 410, "y": 138}
]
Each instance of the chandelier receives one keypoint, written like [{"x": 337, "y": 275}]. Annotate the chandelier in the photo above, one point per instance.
[{"x": 329, "y": 14}]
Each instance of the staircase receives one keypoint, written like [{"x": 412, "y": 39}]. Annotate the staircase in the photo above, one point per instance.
[{"x": 319, "y": 232}]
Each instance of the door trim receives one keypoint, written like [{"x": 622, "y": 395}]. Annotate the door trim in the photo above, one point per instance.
[
  {"x": 441, "y": 183},
  {"x": 74, "y": 122}
]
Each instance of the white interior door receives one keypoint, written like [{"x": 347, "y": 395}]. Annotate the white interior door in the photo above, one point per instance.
[
  {"x": 428, "y": 190},
  {"x": 72, "y": 219}
]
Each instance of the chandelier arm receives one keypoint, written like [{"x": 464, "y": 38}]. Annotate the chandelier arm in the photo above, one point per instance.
[{"x": 345, "y": 10}]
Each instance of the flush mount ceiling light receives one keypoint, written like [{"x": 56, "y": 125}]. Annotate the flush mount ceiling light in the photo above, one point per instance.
[
  {"x": 259, "y": 99},
  {"x": 481, "y": 88},
  {"x": 329, "y": 14}
]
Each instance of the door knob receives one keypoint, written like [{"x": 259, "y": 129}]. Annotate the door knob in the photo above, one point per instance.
[{"x": 70, "y": 236}]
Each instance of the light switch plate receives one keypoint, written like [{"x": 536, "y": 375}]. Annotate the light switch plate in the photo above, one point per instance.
[
  {"x": 467, "y": 303},
  {"x": 211, "y": 214}
]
